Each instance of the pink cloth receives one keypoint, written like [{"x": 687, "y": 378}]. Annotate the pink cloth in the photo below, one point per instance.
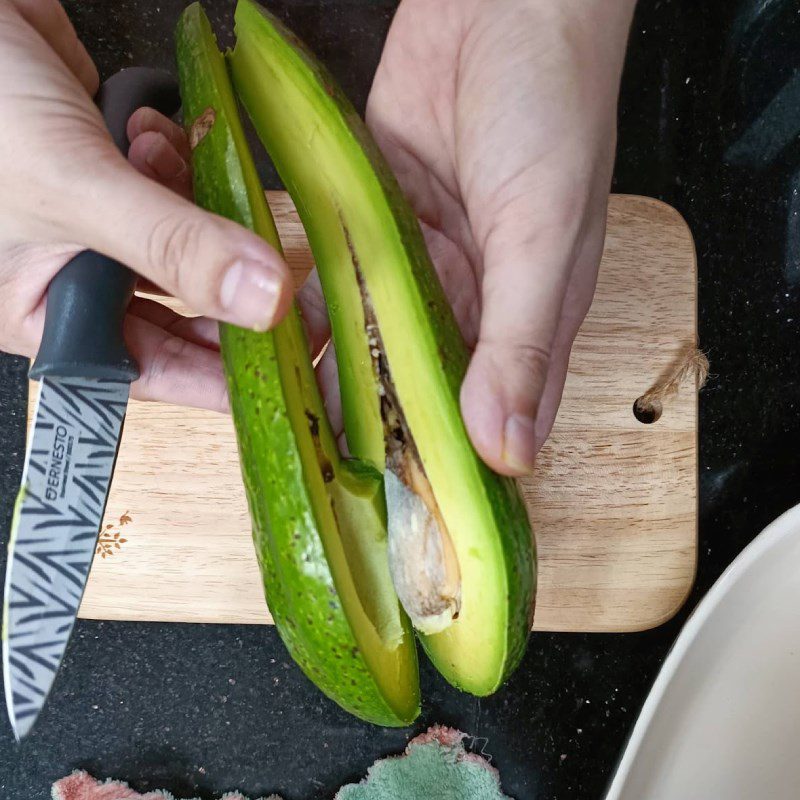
[{"x": 82, "y": 786}]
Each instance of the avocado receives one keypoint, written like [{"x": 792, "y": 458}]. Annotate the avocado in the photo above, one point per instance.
[
  {"x": 460, "y": 549},
  {"x": 319, "y": 523}
]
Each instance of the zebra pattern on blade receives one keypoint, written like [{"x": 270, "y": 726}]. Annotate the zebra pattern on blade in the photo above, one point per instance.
[{"x": 71, "y": 452}]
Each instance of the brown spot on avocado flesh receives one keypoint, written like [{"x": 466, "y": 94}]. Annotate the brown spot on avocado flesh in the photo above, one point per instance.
[{"x": 201, "y": 126}]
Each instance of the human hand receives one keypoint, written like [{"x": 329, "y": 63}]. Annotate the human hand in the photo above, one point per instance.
[
  {"x": 499, "y": 120},
  {"x": 66, "y": 188}
]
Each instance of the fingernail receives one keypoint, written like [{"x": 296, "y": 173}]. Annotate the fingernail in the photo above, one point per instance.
[
  {"x": 164, "y": 161},
  {"x": 251, "y": 292},
  {"x": 519, "y": 445}
]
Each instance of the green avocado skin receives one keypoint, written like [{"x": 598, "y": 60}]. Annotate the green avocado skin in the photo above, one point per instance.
[
  {"x": 299, "y": 586},
  {"x": 502, "y": 494}
]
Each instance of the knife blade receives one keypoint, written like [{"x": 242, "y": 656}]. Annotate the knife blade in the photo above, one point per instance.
[
  {"x": 86, "y": 372},
  {"x": 71, "y": 455}
]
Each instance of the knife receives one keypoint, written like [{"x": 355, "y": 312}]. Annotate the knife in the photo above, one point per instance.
[{"x": 85, "y": 371}]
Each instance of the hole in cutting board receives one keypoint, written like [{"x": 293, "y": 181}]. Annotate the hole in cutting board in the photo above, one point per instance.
[{"x": 647, "y": 413}]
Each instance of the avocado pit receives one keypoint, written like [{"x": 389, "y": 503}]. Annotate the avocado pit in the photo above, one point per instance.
[{"x": 422, "y": 559}]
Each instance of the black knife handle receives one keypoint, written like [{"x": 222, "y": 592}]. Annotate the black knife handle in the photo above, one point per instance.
[{"x": 88, "y": 298}]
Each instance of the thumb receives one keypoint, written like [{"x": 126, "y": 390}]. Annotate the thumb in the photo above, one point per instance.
[
  {"x": 218, "y": 268},
  {"x": 527, "y": 271}
]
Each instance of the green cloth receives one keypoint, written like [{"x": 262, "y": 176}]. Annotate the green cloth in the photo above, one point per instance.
[{"x": 436, "y": 768}]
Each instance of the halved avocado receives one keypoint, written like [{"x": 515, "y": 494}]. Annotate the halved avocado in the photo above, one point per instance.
[
  {"x": 461, "y": 548},
  {"x": 318, "y": 519}
]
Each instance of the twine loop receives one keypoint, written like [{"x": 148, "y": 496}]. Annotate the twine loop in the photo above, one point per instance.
[{"x": 692, "y": 363}]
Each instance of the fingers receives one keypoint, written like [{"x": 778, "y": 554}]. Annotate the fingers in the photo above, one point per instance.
[
  {"x": 148, "y": 119},
  {"x": 153, "y": 155},
  {"x": 178, "y": 356},
  {"x": 499, "y": 402},
  {"x": 528, "y": 263},
  {"x": 317, "y": 325},
  {"x": 328, "y": 381},
  {"x": 160, "y": 150},
  {"x": 577, "y": 300},
  {"x": 50, "y": 21},
  {"x": 25, "y": 272},
  {"x": 314, "y": 313},
  {"x": 218, "y": 268},
  {"x": 173, "y": 369},
  {"x": 198, "y": 330},
  {"x": 554, "y": 383}
]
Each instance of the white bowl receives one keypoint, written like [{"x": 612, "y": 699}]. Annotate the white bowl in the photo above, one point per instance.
[{"x": 722, "y": 721}]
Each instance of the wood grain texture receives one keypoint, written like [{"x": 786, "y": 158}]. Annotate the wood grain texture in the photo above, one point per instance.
[{"x": 613, "y": 501}]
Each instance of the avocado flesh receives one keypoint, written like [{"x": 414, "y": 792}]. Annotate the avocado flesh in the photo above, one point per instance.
[
  {"x": 365, "y": 238},
  {"x": 318, "y": 520}
]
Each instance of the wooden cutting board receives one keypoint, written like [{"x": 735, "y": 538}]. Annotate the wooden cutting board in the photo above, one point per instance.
[{"x": 613, "y": 500}]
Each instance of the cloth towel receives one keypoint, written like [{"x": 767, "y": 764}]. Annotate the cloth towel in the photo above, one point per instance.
[{"x": 434, "y": 766}]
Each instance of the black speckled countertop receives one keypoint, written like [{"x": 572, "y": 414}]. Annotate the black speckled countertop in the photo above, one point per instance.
[{"x": 709, "y": 122}]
